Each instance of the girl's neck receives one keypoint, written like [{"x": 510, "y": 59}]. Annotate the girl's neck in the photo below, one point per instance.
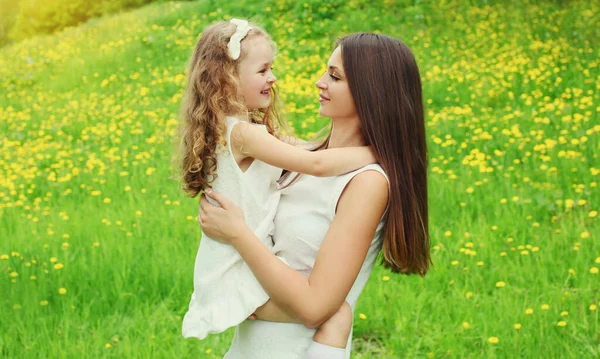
[{"x": 345, "y": 133}]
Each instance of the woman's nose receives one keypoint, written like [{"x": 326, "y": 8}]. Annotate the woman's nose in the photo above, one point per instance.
[{"x": 321, "y": 84}]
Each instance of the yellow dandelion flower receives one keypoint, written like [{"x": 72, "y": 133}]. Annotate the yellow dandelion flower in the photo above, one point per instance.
[
  {"x": 564, "y": 313},
  {"x": 454, "y": 263},
  {"x": 593, "y": 213},
  {"x": 53, "y": 260},
  {"x": 107, "y": 345},
  {"x": 208, "y": 351},
  {"x": 362, "y": 316},
  {"x": 466, "y": 325},
  {"x": 593, "y": 307},
  {"x": 469, "y": 295},
  {"x": 517, "y": 326},
  {"x": 562, "y": 323},
  {"x": 62, "y": 291},
  {"x": 528, "y": 311},
  {"x": 448, "y": 233},
  {"x": 598, "y": 260},
  {"x": 545, "y": 307},
  {"x": 44, "y": 303},
  {"x": 107, "y": 200},
  {"x": 572, "y": 271},
  {"x": 594, "y": 270},
  {"x": 500, "y": 284},
  {"x": 385, "y": 278},
  {"x": 33, "y": 277},
  {"x": 59, "y": 266},
  {"x": 493, "y": 340},
  {"x": 480, "y": 264},
  {"x": 585, "y": 235},
  {"x": 14, "y": 274}
]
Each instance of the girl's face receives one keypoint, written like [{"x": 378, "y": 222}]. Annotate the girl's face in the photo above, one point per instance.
[
  {"x": 335, "y": 97},
  {"x": 256, "y": 75}
]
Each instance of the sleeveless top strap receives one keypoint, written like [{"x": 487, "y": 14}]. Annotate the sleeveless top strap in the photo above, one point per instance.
[{"x": 343, "y": 180}]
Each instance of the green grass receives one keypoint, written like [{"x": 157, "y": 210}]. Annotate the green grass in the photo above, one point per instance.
[{"x": 87, "y": 118}]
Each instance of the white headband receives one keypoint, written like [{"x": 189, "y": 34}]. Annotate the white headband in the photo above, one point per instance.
[{"x": 241, "y": 31}]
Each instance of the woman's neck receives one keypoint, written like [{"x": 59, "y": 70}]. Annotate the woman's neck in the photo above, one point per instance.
[{"x": 346, "y": 133}]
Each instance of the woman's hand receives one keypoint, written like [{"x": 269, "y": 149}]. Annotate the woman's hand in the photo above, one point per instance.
[{"x": 225, "y": 223}]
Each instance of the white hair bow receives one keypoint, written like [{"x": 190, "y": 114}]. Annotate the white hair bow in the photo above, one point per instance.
[{"x": 241, "y": 31}]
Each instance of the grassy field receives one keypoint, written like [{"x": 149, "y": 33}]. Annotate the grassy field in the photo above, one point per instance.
[{"x": 97, "y": 242}]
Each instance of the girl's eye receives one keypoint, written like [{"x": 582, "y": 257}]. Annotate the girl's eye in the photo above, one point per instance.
[{"x": 262, "y": 71}]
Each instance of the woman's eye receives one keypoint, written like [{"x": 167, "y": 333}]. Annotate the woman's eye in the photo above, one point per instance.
[{"x": 334, "y": 78}]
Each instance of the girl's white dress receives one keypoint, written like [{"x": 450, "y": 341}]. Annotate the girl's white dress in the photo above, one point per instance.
[
  {"x": 225, "y": 290},
  {"x": 305, "y": 212}
]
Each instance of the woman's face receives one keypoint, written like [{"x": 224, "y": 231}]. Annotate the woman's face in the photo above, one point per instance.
[{"x": 335, "y": 98}]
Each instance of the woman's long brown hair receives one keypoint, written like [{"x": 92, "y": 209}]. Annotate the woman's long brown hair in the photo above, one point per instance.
[{"x": 385, "y": 84}]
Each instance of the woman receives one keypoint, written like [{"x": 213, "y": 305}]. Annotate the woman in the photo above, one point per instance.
[{"x": 330, "y": 230}]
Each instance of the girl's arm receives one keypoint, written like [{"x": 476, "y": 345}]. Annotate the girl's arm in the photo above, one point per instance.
[
  {"x": 248, "y": 140},
  {"x": 315, "y": 298},
  {"x": 291, "y": 140}
]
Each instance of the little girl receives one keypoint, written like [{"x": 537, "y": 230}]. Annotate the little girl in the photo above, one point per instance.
[{"x": 230, "y": 142}]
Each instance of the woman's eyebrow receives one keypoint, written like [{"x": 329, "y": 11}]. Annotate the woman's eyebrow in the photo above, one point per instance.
[{"x": 335, "y": 68}]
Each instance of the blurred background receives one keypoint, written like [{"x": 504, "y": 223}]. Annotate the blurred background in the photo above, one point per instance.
[{"x": 97, "y": 241}]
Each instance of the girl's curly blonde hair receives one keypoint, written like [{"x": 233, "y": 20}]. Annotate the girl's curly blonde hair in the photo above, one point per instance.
[{"x": 214, "y": 92}]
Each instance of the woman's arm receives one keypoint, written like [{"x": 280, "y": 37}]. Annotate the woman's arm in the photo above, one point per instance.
[
  {"x": 342, "y": 253},
  {"x": 272, "y": 312},
  {"x": 248, "y": 140}
]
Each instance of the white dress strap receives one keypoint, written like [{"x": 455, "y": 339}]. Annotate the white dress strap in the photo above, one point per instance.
[{"x": 343, "y": 180}]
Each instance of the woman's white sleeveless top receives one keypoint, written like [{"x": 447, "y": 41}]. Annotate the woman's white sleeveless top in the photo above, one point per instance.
[{"x": 305, "y": 212}]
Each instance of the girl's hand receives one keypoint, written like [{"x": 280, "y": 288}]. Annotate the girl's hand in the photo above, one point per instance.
[{"x": 225, "y": 223}]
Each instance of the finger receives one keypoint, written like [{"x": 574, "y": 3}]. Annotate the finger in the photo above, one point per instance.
[
  {"x": 203, "y": 203},
  {"x": 222, "y": 201}
]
